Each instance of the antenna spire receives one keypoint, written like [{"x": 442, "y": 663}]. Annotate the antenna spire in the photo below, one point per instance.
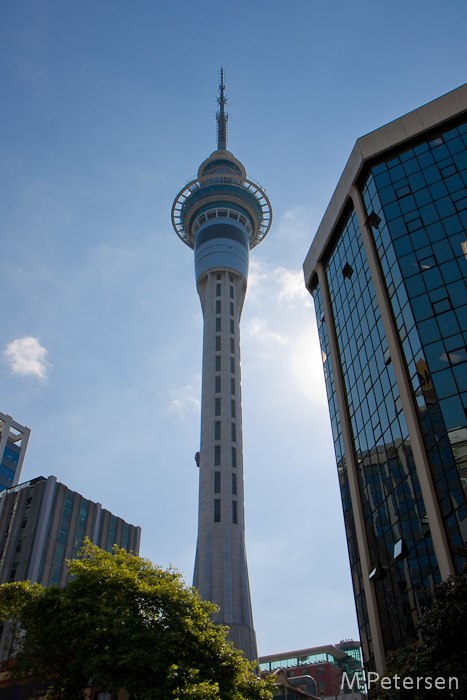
[{"x": 222, "y": 116}]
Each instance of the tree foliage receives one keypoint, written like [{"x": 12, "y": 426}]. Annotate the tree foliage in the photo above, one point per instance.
[
  {"x": 442, "y": 651},
  {"x": 122, "y": 622}
]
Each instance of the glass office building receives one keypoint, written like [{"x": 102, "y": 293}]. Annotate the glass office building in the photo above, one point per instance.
[
  {"x": 14, "y": 440},
  {"x": 387, "y": 271}
]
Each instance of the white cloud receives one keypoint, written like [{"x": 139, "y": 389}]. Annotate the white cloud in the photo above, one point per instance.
[
  {"x": 258, "y": 328},
  {"x": 292, "y": 288},
  {"x": 286, "y": 286},
  {"x": 26, "y": 356},
  {"x": 296, "y": 223},
  {"x": 187, "y": 402}
]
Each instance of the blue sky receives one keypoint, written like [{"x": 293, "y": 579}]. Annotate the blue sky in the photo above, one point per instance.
[{"x": 107, "y": 110}]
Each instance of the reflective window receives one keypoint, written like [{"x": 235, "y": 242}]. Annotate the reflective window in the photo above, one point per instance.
[
  {"x": 390, "y": 492},
  {"x": 11, "y": 455},
  {"x": 430, "y": 306}
]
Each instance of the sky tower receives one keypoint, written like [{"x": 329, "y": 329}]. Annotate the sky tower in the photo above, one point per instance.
[{"x": 222, "y": 215}]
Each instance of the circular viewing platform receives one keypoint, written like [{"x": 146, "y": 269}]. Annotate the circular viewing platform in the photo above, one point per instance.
[{"x": 221, "y": 190}]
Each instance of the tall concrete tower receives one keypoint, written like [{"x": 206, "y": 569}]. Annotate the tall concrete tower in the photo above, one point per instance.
[{"x": 221, "y": 215}]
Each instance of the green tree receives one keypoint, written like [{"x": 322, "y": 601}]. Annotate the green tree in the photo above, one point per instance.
[
  {"x": 442, "y": 650},
  {"x": 122, "y": 622}
]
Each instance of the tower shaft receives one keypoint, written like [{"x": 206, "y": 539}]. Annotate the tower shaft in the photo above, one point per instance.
[
  {"x": 221, "y": 215},
  {"x": 221, "y": 572}
]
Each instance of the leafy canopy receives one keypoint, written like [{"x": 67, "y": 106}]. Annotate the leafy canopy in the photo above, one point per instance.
[{"x": 122, "y": 622}]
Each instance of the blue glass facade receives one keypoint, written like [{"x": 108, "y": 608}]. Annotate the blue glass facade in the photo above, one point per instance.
[
  {"x": 421, "y": 199},
  {"x": 400, "y": 242},
  {"x": 8, "y": 465},
  {"x": 389, "y": 490},
  {"x": 222, "y": 243}
]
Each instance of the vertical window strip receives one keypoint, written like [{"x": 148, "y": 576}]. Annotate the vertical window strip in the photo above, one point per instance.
[{"x": 217, "y": 510}]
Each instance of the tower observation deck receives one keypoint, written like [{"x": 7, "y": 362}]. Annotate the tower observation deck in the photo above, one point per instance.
[{"x": 221, "y": 214}]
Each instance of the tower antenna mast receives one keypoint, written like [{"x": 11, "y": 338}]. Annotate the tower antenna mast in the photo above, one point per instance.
[{"x": 222, "y": 116}]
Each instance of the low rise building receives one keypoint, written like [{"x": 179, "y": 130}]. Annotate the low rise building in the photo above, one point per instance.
[{"x": 336, "y": 669}]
